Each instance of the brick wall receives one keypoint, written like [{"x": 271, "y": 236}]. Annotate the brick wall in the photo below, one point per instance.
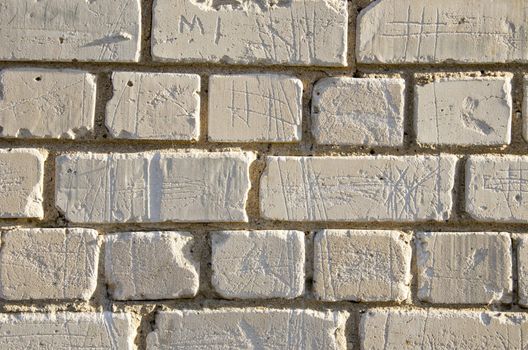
[{"x": 263, "y": 174}]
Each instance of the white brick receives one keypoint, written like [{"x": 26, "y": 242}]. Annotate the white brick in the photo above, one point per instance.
[
  {"x": 67, "y": 330},
  {"x": 159, "y": 106},
  {"x": 392, "y": 329},
  {"x": 49, "y": 263},
  {"x": 496, "y": 188},
  {"x": 153, "y": 187},
  {"x": 525, "y": 109},
  {"x": 362, "y": 265},
  {"x": 255, "y": 108},
  {"x": 464, "y": 111},
  {"x": 248, "y": 329},
  {"x": 364, "y": 188},
  {"x": 350, "y": 111},
  {"x": 21, "y": 176},
  {"x": 267, "y": 32},
  {"x": 522, "y": 271},
  {"x": 431, "y": 31},
  {"x": 151, "y": 265},
  {"x": 56, "y": 30},
  {"x": 258, "y": 264},
  {"x": 464, "y": 267},
  {"x": 46, "y": 103}
]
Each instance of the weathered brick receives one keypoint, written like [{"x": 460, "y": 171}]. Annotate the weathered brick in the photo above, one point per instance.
[
  {"x": 350, "y": 111},
  {"x": 393, "y": 329},
  {"x": 269, "y": 32},
  {"x": 151, "y": 265},
  {"x": 430, "y": 31},
  {"x": 55, "y": 30},
  {"x": 255, "y": 108},
  {"x": 67, "y": 330},
  {"x": 162, "y": 106},
  {"x": 496, "y": 188},
  {"x": 247, "y": 329},
  {"x": 258, "y": 264},
  {"x": 51, "y": 263},
  {"x": 46, "y": 103},
  {"x": 364, "y": 188},
  {"x": 525, "y": 109},
  {"x": 22, "y": 176},
  {"x": 362, "y": 265},
  {"x": 464, "y": 111},
  {"x": 522, "y": 271},
  {"x": 153, "y": 187},
  {"x": 464, "y": 267}
]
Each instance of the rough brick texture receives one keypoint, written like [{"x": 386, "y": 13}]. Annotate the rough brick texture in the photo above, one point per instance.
[
  {"x": 349, "y": 111},
  {"x": 67, "y": 330},
  {"x": 258, "y": 264},
  {"x": 447, "y": 329},
  {"x": 46, "y": 103},
  {"x": 496, "y": 188},
  {"x": 247, "y": 328},
  {"x": 22, "y": 183},
  {"x": 151, "y": 265},
  {"x": 473, "y": 31},
  {"x": 383, "y": 188},
  {"x": 464, "y": 267},
  {"x": 159, "y": 106},
  {"x": 263, "y": 174},
  {"x": 362, "y": 265},
  {"x": 48, "y": 264},
  {"x": 54, "y": 30},
  {"x": 262, "y": 31},
  {"x": 464, "y": 111},
  {"x": 153, "y": 187},
  {"x": 255, "y": 108}
]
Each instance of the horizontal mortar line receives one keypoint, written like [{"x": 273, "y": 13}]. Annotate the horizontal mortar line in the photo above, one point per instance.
[
  {"x": 134, "y": 146},
  {"x": 452, "y": 226},
  {"x": 170, "y": 66},
  {"x": 207, "y": 302}
]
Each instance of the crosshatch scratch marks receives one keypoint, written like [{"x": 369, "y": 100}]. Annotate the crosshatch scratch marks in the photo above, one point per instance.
[{"x": 381, "y": 188}]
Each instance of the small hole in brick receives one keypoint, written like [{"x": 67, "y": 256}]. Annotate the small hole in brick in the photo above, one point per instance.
[
  {"x": 61, "y": 40},
  {"x": 518, "y": 197},
  {"x": 130, "y": 83},
  {"x": 38, "y": 78},
  {"x": 372, "y": 151}
]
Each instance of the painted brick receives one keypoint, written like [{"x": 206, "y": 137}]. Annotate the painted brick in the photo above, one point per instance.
[
  {"x": 522, "y": 271},
  {"x": 48, "y": 263},
  {"x": 67, "y": 330},
  {"x": 255, "y": 108},
  {"x": 464, "y": 111},
  {"x": 442, "y": 329},
  {"x": 247, "y": 328},
  {"x": 159, "y": 106},
  {"x": 350, "y": 111},
  {"x": 153, "y": 187},
  {"x": 464, "y": 267},
  {"x": 473, "y": 31},
  {"x": 151, "y": 265},
  {"x": 258, "y": 264},
  {"x": 46, "y": 103},
  {"x": 22, "y": 177},
  {"x": 496, "y": 189},
  {"x": 242, "y": 32},
  {"x": 364, "y": 188},
  {"x": 55, "y": 30},
  {"x": 362, "y": 265}
]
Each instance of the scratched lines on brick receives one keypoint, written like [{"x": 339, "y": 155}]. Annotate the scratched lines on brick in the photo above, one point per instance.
[
  {"x": 272, "y": 104},
  {"x": 415, "y": 28},
  {"x": 399, "y": 190}
]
